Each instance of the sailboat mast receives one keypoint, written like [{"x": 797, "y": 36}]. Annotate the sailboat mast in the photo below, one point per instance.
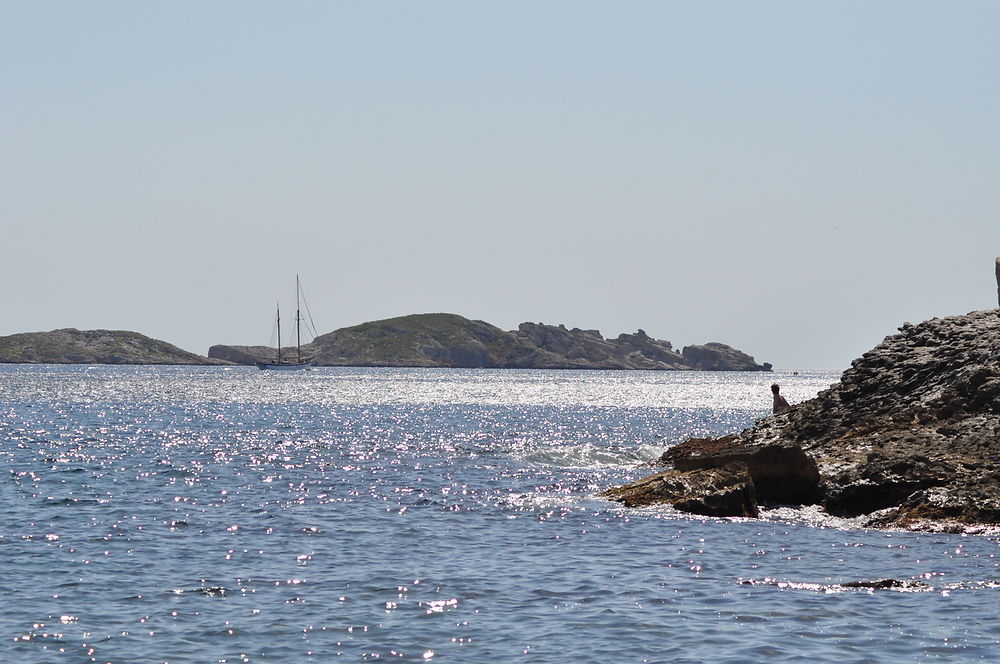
[
  {"x": 291, "y": 363},
  {"x": 279, "y": 332},
  {"x": 298, "y": 324}
]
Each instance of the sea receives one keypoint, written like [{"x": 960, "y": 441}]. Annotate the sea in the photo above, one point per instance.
[{"x": 226, "y": 514}]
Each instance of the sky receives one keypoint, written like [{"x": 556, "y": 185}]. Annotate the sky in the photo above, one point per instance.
[{"x": 794, "y": 179}]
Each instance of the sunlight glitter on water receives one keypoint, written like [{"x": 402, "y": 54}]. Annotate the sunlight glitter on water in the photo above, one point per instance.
[
  {"x": 727, "y": 391},
  {"x": 196, "y": 514}
]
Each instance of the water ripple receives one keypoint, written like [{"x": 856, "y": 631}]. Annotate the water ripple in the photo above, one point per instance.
[{"x": 202, "y": 514}]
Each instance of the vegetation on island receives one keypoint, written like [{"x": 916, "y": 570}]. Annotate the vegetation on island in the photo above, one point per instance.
[{"x": 72, "y": 346}]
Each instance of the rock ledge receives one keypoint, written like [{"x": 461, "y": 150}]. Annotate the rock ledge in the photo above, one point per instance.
[{"x": 910, "y": 436}]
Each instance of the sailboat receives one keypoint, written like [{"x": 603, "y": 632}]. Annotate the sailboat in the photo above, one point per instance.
[{"x": 299, "y": 363}]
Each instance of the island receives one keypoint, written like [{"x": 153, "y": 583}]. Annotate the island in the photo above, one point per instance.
[
  {"x": 418, "y": 340},
  {"x": 450, "y": 340},
  {"x": 72, "y": 346},
  {"x": 909, "y": 438}
]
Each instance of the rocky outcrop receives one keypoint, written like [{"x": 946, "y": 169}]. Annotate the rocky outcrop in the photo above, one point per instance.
[
  {"x": 911, "y": 433},
  {"x": 726, "y": 490},
  {"x": 72, "y": 346},
  {"x": 714, "y": 356},
  {"x": 588, "y": 349},
  {"x": 566, "y": 348},
  {"x": 641, "y": 345},
  {"x": 448, "y": 340},
  {"x": 782, "y": 473}
]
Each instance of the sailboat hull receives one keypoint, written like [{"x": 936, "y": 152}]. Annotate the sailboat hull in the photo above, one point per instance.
[{"x": 267, "y": 366}]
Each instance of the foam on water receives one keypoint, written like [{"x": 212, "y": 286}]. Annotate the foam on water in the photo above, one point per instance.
[{"x": 228, "y": 515}]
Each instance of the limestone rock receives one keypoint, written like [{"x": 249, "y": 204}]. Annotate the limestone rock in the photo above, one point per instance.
[
  {"x": 574, "y": 348},
  {"x": 782, "y": 473},
  {"x": 658, "y": 351},
  {"x": 910, "y": 434},
  {"x": 714, "y": 356},
  {"x": 724, "y": 491}
]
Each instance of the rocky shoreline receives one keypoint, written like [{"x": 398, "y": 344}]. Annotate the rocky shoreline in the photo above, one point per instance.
[{"x": 909, "y": 438}]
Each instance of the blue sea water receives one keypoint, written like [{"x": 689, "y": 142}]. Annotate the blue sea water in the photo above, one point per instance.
[{"x": 196, "y": 514}]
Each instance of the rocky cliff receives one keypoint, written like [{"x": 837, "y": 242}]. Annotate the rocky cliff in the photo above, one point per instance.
[
  {"x": 910, "y": 436},
  {"x": 714, "y": 356},
  {"x": 449, "y": 340},
  {"x": 71, "y": 346}
]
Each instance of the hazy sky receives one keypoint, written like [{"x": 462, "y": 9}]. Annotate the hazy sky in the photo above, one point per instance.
[{"x": 795, "y": 179}]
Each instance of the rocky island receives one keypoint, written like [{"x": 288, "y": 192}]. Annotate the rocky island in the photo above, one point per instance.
[
  {"x": 910, "y": 437},
  {"x": 72, "y": 346},
  {"x": 419, "y": 340},
  {"x": 450, "y": 340}
]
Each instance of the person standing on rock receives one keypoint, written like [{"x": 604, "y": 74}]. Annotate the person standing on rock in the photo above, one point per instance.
[
  {"x": 780, "y": 405},
  {"x": 998, "y": 281}
]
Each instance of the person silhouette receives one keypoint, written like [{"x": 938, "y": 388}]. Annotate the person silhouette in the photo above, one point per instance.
[
  {"x": 780, "y": 405},
  {"x": 998, "y": 281}
]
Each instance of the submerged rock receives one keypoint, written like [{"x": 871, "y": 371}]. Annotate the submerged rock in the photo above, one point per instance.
[
  {"x": 901, "y": 585},
  {"x": 884, "y": 584}
]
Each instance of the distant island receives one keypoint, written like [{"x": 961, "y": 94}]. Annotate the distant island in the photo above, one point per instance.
[
  {"x": 72, "y": 346},
  {"x": 450, "y": 340},
  {"x": 418, "y": 340}
]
